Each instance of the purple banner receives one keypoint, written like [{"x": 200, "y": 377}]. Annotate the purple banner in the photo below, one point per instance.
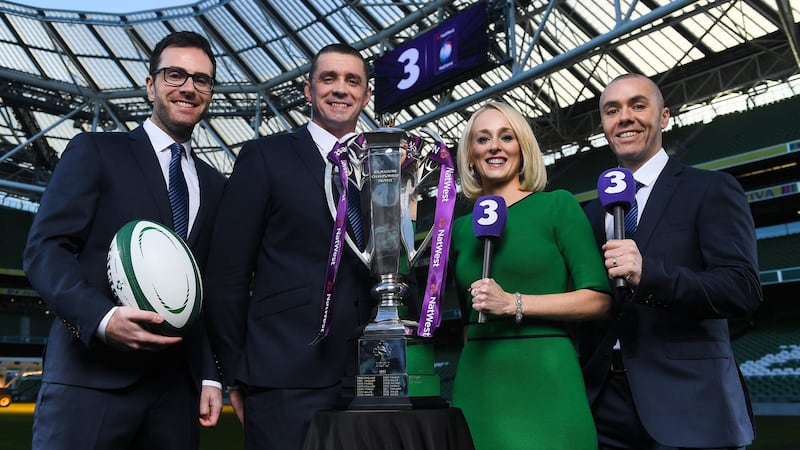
[
  {"x": 337, "y": 156},
  {"x": 431, "y": 314}
]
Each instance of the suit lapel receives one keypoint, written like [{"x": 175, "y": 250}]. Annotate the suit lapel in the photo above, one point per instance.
[
  {"x": 306, "y": 149},
  {"x": 204, "y": 175},
  {"x": 660, "y": 197},
  {"x": 144, "y": 155}
]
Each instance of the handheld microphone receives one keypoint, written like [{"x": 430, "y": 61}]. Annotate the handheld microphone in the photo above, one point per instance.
[
  {"x": 488, "y": 221},
  {"x": 617, "y": 191}
]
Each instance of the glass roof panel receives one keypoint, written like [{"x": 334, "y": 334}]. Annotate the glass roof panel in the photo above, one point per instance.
[
  {"x": 106, "y": 73},
  {"x": 191, "y": 24},
  {"x": 55, "y": 67},
  {"x": 224, "y": 23},
  {"x": 14, "y": 57},
  {"x": 600, "y": 18},
  {"x": 294, "y": 12},
  {"x": 151, "y": 32},
  {"x": 5, "y": 33},
  {"x": 385, "y": 14},
  {"x": 119, "y": 43},
  {"x": 287, "y": 52},
  {"x": 78, "y": 41},
  {"x": 349, "y": 24},
  {"x": 262, "y": 44},
  {"x": 257, "y": 21},
  {"x": 314, "y": 37},
  {"x": 261, "y": 64},
  {"x": 229, "y": 71},
  {"x": 30, "y": 32},
  {"x": 136, "y": 72}
]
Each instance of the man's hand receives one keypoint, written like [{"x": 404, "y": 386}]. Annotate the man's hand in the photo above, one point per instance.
[
  {"x": 210, "y": 406},
  {"x": 623, "y": 259},
  {"x": 126, "y": 330}
]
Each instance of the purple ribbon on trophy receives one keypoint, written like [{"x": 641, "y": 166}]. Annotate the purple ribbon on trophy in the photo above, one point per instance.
[
  {"x": 337, "y": 156},
  {"x": 431, "y": 314}
]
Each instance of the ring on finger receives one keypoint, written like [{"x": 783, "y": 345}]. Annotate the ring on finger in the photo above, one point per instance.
[{"x": 614, "y": 262}]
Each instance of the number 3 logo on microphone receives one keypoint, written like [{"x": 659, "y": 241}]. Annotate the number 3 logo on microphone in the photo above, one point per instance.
[
  {"x": 616, "y": 180},
  {"x": 489, "y": 216}
]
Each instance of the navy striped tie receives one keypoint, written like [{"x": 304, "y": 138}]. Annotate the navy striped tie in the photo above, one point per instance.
[
  {"x": 631, "y": 218},
  {"x": 178, "y": 193},
  {"x": 354, "y": 214}
]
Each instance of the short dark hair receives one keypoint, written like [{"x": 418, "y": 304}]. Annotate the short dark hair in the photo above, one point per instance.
[
  {"x": 182, "y": 39},
  {"x": 337, "y": 48}
]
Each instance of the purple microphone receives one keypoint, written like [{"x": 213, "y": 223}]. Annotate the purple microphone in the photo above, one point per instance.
[
  {"x": 617, "y": 191},
  {"x": 488, "y": 221}
]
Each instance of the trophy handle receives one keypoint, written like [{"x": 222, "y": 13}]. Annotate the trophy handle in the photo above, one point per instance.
[{"x": 417, "y": 174}]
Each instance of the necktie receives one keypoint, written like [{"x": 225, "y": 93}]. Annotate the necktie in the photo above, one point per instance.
[
  {"x": 178, "y": 193},
  {"x": 631, "y": 218},
  {"x": 354, "y": 214}
]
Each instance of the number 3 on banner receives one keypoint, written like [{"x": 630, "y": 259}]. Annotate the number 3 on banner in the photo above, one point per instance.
[
  {"x": 489, "y": 216},
  {"x": 409, "y": 59},
  {"x": 617, "y": 182}
]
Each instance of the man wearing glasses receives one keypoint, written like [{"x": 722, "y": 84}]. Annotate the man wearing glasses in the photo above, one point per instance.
[{"x": 109, "y": 382}]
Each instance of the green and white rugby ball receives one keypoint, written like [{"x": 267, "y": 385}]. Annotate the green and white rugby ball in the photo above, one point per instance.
[{"x": 151, "y": 268}]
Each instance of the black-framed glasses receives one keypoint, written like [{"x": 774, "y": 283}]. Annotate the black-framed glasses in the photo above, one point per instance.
[{"x": 175, "y": 76}]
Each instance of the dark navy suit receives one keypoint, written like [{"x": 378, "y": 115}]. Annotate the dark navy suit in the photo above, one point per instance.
[
  {"x": 265, "y": 287},
  {"x": 103, "y": 181},
  {"x": 699, "y": 267}
]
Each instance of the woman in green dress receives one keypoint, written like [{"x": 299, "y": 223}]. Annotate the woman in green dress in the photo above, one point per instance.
[{"x": 518, "y": 380}]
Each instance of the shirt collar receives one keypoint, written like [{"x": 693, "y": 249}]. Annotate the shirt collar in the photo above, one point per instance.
[
  {"x": 324, "y": 140},
  {"x": 160, "y": 139},
  {"x": 649, "y": 171}
]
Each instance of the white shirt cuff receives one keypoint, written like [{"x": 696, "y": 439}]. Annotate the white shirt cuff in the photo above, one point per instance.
[
  {"x": 213, "y": 383},
  {"x": 101, "y": 329}
]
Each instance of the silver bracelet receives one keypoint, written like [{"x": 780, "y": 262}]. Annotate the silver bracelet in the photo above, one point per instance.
[{"x": 518, "y": 299}]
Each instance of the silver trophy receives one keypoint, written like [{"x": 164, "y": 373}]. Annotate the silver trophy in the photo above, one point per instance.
[{"x": 387, "y": 166}]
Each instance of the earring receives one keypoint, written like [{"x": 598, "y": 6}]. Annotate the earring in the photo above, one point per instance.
[{"x": 471, "y": 169}]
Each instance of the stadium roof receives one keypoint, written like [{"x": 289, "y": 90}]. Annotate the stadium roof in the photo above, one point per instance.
[{"x": 63, "y": 72}]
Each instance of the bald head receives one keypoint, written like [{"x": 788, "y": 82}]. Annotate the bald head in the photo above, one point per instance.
[{"x": 656, "y": 92}]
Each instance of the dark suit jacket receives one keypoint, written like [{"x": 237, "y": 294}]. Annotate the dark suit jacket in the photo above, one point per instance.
[
  {"x": 103, "y": 181},
  {"x": 267, "y": 270},
  {"x": 699, "y": 267}
]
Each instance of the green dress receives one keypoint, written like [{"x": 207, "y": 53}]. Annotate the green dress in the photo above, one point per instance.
[{"x": 520, "y": 385}]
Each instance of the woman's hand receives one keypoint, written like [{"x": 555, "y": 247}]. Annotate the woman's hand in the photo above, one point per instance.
[{"x": 489, "y": 297}]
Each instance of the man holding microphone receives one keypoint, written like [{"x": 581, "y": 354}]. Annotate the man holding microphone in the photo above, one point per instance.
[{"x": 661, "y": 374}]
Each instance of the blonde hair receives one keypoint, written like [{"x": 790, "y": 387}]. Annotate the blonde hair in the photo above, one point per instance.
[{"x": 532, "y": 177}]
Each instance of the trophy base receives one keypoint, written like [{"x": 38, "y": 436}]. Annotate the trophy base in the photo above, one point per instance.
[{"x": 394, "y": 372}]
